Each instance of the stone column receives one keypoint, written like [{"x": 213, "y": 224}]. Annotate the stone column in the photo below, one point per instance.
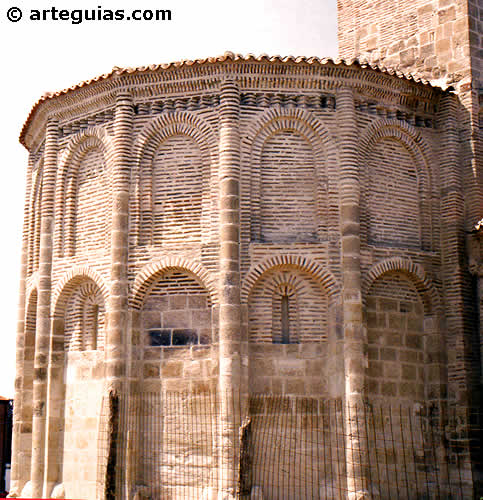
[
  {"x": 229, "y": 284},
  {"x": 42, "y": 337},
  {"x": 117, "y": 314},
  {"x": 18, "y": 475},
  {"x": 354, "y": 331},
  {"x": 117, "y": 303}
]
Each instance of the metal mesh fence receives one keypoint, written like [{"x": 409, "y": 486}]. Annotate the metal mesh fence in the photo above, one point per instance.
[{"x": 174, "y": 446}]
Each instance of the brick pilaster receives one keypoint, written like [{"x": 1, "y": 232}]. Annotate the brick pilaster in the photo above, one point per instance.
[
  {"x": 456, "y": 280},
  {"x": 42, "y": 337}
]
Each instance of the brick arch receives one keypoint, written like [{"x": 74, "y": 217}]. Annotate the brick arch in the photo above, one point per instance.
[
  {"x": 158, "y": 130},
  {"x": 410, "y": 139},
  {"x": 279, "y": 284},
  {"x": 86, "y": 292},
  {"x": 65, "y": 202},
  {"x": 30, "y": 317},
  {"x": 279, "y": 119},
  {"x": 69, "y": 282},
  {"x": 32, "y": 283},
  {"x": 151, "y": 272},
  {"x": 323, "y": 275},
  {"x": 34, "y": 216},
  {"x": 407, "y": 134},
  {"x": 414, "y": 272},
  {"x": 169, "y": 124}
]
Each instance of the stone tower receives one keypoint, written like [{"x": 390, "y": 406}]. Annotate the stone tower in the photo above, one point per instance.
[{"x": 440, "y": 40}]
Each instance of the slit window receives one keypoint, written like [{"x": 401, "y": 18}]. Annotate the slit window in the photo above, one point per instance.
[{"x": 285, "y": 320}]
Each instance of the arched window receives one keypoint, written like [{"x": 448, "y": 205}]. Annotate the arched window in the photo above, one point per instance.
[
  {"x": 284, "y": 315},
  {"x": 285, "y": 320}
]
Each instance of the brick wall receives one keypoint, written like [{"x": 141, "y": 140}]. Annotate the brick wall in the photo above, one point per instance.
[
  {"x": 392, "y": 202},
  {"x": 176, "y": 205},
  {"x": 288, "y": 194}
]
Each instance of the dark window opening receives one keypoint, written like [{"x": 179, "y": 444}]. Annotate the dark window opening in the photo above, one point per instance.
[
  {"x": 159, "y": 338},
  {"x": 175, "y": 337},
  {"x": 185, "y": 337},
  {"x": 285, "y": 320},
  {"x": 95, "y": 326}
]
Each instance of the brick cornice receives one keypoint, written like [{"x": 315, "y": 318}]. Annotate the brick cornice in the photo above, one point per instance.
[{"x": 312, "y": 74}]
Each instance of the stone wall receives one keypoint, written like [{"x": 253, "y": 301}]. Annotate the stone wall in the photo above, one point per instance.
[{"x": 427, "y": 37}]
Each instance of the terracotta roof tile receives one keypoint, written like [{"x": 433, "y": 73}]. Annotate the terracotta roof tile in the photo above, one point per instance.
[{"x": 227, "y": 56}]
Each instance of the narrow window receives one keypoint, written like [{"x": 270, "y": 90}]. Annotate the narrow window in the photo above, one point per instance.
[
  {"x": 91, "y": 327},
  {"x": 95, "y": 326},
  {"x": 285, "y": 320}
]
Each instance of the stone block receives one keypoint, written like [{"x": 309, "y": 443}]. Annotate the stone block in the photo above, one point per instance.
[
  {"x": 291, "y": 368},
  {"x": 295, "y": 386},
  {"x": 447, "y": 14},
  {"x": 388, "y": 354},
  {"x": 397, "y": 321},
  {"x": 414, "y": 341},
  {"x": 388, "y": 305},
  {"x": 171, "y": 369},
  {"x": 375, "y": 369},
  {"x": 388, "y": 388},
  {"x": 314, "y": 368},
  {"x": 197, "y": 301},
  {"x": 176, "y": 319},
  {"x": 263, "y": 367},
  {"x": 191, "y": 369},
  {"x": 408, "y": 372}
]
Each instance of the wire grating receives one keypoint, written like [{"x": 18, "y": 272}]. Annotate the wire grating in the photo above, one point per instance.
[{"x": 176, "y": 445}]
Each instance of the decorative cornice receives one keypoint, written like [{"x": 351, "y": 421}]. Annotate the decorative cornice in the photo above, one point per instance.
[{"x": 92, "y": 97}]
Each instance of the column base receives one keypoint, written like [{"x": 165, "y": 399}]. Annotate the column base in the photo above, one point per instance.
[
  {"x": 27, "y": 490},
  {"x": 58, "y": 491},
  {"x": 359, "y": 495},
  {"x": 214, "y": 494}
]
